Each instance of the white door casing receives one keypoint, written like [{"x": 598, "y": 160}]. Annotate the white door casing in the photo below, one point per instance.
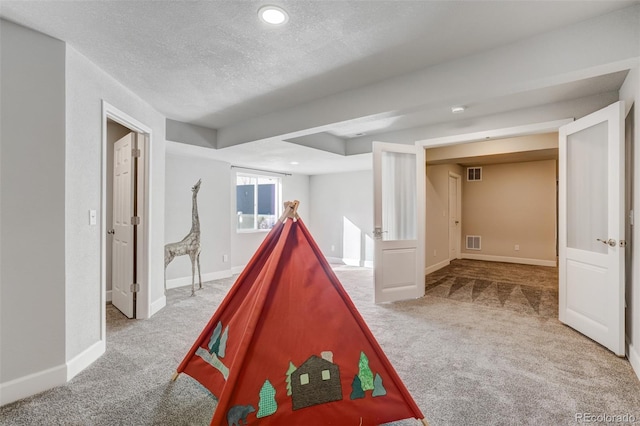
[
  {"x": 397, "y": 275},
  {"x": 123, "y": 241},
  {"x": 455, "y": 227},
  {"x": 591, "y": 226}
]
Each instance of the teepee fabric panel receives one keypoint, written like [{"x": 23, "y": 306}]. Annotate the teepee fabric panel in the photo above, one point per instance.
[{"x": 288, "y": 308}]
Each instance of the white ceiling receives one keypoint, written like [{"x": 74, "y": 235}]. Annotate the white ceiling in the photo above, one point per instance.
[{"x": 215, "y": 64}]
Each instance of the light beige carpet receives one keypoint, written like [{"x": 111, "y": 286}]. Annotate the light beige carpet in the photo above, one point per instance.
[{"x": 464, "y": 363}]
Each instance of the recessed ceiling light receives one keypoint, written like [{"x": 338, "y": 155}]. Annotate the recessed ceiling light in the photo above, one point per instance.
[
  {"x": 273, "y": 15},
  {"x": 294, "y": 163},
  {"x": 457, "y": 109},
  {"x": 360, "y": 134}
]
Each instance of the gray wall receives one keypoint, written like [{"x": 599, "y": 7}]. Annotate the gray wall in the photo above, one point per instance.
[
  {"x": 213, "y": 209},
  {"x": 87, "y": 86},
  {"x": 32, "y": 236},
  {"x": 51, "y": 173},
  {"x": 334, "y": 199}
]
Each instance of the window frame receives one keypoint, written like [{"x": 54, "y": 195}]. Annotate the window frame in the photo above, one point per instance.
[{"x": 277, "y": 201}]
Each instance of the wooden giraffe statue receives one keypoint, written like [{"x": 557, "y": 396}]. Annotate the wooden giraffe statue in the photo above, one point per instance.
[{"x": 189, "y": 245}]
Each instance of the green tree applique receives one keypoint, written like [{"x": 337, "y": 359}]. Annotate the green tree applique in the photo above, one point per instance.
[
  {"x": 291, "y": 369},
  {"x": 364, "y": 373},
  {"x": 378, "y": 388},
  {"x": 356, "y": 388},
  {"x": 214, "y": 342},
  {"x": 267, "y": 404}
]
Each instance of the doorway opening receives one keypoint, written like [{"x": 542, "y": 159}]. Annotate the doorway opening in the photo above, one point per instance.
[
  {"x": 492, "y": 224},
  {"x": 125, "y": 262}
]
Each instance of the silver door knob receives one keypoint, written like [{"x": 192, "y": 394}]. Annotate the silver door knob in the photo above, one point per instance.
[
  {"x": 111, "y": 231},
  {"x": 611, "y": 242}
]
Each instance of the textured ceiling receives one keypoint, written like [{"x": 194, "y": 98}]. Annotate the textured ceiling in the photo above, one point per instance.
[{"x": 215, "y": 64}]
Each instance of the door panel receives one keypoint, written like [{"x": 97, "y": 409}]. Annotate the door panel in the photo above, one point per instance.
[
  {"x": 454, "y": 217},
  {"x": 123, "y": 241},
  {"x": 591, "y": 226},
  {"x": 395, "y": 221}
]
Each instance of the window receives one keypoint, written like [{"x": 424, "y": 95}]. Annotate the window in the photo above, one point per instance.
[
  {"x": 257, "y": 201},
  {"x": 304, "y": 379},
  {"x": 326, "y": 375}
]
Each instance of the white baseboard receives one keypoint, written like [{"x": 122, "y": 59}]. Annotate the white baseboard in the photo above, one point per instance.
[
  {"x": 522, "y": 260},
  {"x": 157, "y": 305},
  {"x": 32, "y": 384},
  {"x": 334, "y": 260},
  {"x": 109, "y": 297},
  {"x": 368, "y": 263},
  {"x": 235, "y": 270},
  {"x": 85, "y": 359},
  {"x": 634, "y": 359},
  {"x": 209, "y": 276},
  {"x": 437, "y": 266},
  {"x": 351, "y": 262}
]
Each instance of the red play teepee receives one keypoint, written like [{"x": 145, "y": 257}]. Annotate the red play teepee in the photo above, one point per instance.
[{"x": 288, "y": 347}]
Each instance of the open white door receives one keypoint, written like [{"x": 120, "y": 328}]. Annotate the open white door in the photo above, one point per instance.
[
  {"x": 396, "y": 274},
  {"x": 591, "y": 226},
  {"x": 123, "y": 241}
]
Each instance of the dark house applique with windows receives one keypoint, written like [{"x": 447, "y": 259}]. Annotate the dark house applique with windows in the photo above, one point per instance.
[{"x": 315, "y": 382}]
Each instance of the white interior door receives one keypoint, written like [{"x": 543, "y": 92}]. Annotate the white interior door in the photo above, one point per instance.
[
  {"x": 591, "y": 231},
  {"x": 454, "y": 217},
  {"x": 123, "y": 244},
  {"x": 396, "y": 274}
]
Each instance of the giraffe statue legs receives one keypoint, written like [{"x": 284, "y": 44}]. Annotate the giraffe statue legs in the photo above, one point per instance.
[{"x": 195, "y": 258}]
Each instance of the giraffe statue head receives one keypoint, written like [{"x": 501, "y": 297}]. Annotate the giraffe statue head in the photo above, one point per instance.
[{"x": 195, "y": 188}]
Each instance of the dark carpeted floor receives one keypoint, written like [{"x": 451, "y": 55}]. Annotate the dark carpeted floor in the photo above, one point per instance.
[
  {"x": 464, "y": 363},
  {"x": 523, "y": 288}
]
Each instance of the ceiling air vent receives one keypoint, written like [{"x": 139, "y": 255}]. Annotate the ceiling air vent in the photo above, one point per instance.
[
  {"x": 474, "y": 173},
  {"x": 473, "y": 242}
]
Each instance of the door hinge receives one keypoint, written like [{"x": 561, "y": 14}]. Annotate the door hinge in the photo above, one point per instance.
[
  {"x": 135, "y": 287},
  {"x": 135, "y": 220},
  {"x": 623, "y": 243},
  {"x": 135, "y": 152}
]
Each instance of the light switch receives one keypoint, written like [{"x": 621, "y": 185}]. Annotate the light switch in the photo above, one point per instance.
[{"x": 93, "y": 217}]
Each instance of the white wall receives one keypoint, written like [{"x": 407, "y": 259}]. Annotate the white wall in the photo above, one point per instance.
[
  {"x": 214, "y": 203},
  {"x": 342, "y": 215},
  {"x": 32, "y": 237},
  {"x": 630, "y": 92},
  {"x": 244, "y": 244}
]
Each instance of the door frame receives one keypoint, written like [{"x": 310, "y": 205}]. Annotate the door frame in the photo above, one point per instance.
[
  {"x": 500, "y": 133},
  {"x": 458, "y": 179},
  {"x": 143, "y": 249}
]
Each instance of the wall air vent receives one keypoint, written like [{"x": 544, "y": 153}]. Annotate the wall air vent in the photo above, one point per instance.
[
  {"x": 474, "y": 242},
  {"x": 474, "y": 173}
]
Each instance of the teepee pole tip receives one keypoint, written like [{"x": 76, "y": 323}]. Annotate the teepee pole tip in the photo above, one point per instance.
[
  {"x": 175, "y": 376},
  {"x": 290, "y": 210}
]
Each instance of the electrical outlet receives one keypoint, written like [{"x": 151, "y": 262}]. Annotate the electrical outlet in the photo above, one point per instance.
[
  {"x": 516, "y": 247},
  {"x": 333, "y": 248},
  {"x": 93, "y": 216},
  {"x": 435, "y": 253},
  {"x": 225, "y": 258}
]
